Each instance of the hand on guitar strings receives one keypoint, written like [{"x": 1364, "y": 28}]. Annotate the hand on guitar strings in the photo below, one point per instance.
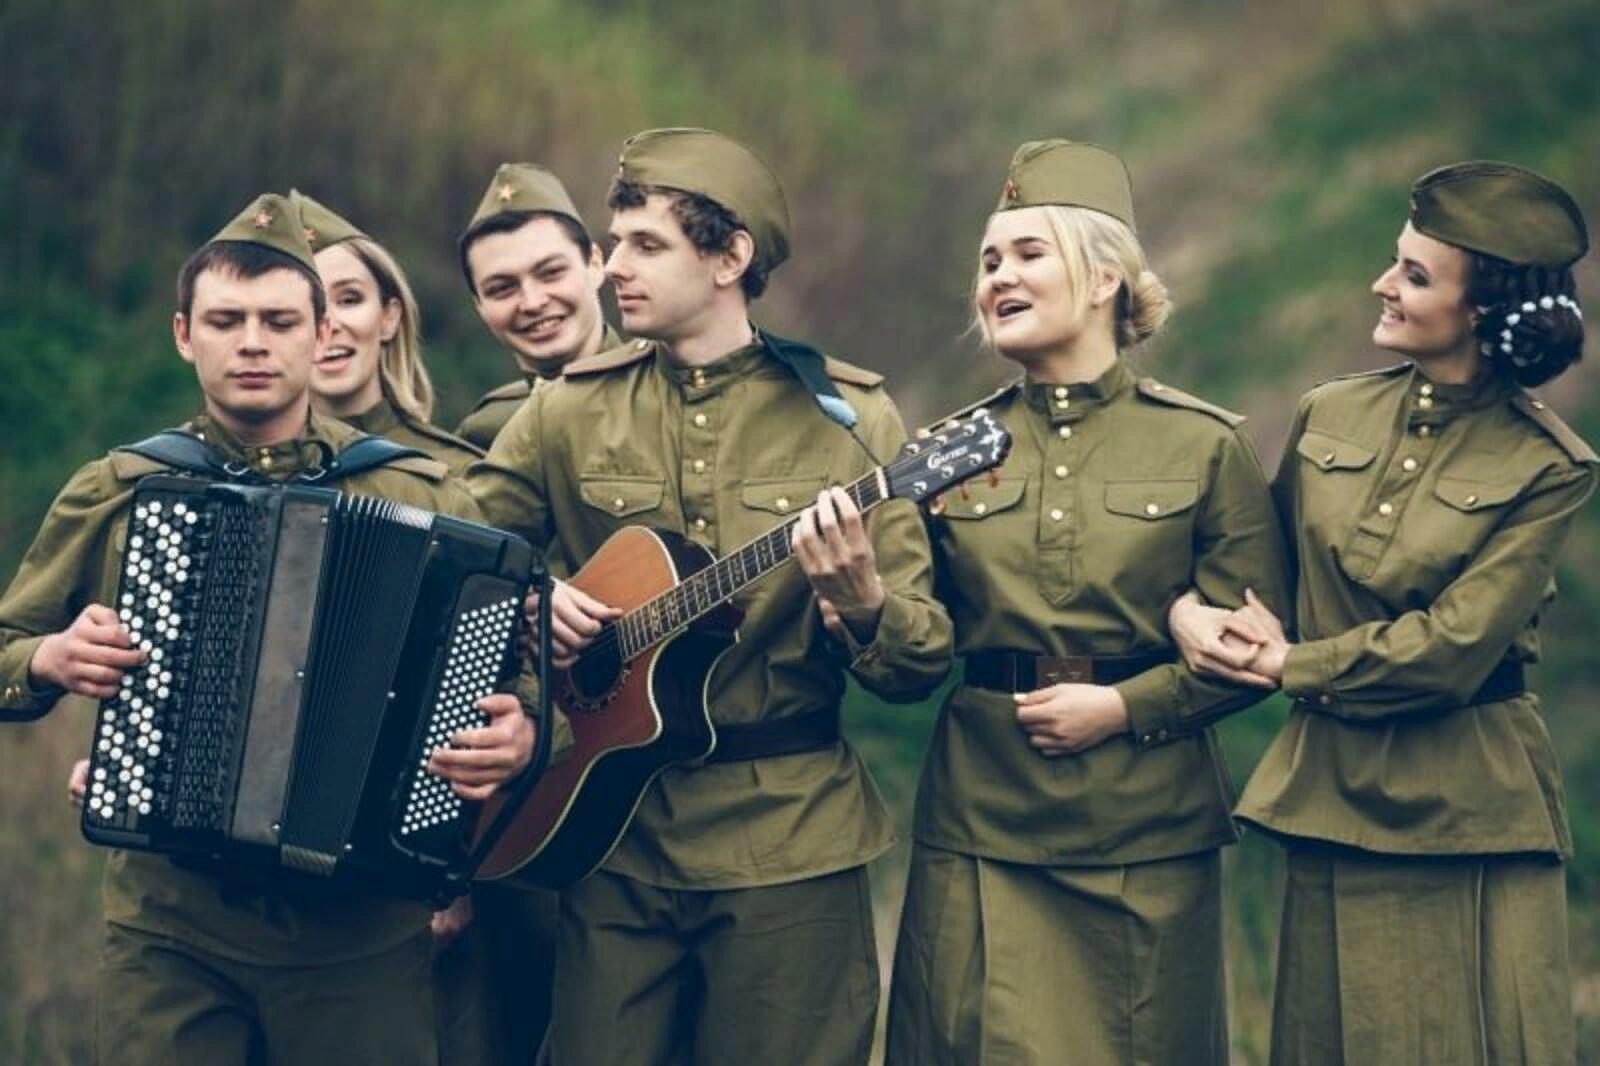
[
  {"x": 478, "y": 761},
  {"x": 1068, "y": 718},
  {"x": 830, "y": 543},
  {"x": 575, "y": 619},
  {"x": 89, "y": 657}
]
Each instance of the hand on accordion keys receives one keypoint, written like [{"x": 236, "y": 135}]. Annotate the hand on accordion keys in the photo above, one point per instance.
[
  {"x": 478, "y": 761},
  {"x": 89, "y": 657}
]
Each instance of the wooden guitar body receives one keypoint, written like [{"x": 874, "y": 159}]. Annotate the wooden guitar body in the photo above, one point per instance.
[{"x": 630, "y": 719}]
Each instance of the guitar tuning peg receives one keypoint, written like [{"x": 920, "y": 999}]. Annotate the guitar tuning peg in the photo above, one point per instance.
[
  {"x": 923, "y": 433},
  {"x": 994, "y": 478},
  {"x": 962, "y": 488},
  {"x": 936, "y": 505}
]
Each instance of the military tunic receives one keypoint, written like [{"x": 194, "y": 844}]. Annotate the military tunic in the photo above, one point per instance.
[
  {"x": 490, "y": 414},
  {"x": 1069, "y": 907},
  {"x": 721, "y": 454},
  {"x": 1426, "y": 521},
  {"x": 384, "y": 419},
  {"x": 157, "y": 911}
]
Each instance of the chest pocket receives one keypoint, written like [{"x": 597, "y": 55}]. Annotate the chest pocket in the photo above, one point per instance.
[
  {"x": 1334, "y": 476},
  {"x": 781, "y": 495},
  {"x": 981, "y": 499},
  {"x": 1152, "y": 501},
  {"x": 621, "y": 496},
  {"x": 1450, "y": 528},
  {"x": 1142, "y": 542}
]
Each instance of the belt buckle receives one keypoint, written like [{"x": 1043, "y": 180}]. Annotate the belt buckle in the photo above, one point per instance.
[{"x": 1066, "y": 670}]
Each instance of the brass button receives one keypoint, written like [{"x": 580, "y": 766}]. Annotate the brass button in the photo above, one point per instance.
[
  {"x": 1156, "y": 386},
  {"x": 698, "y": 376},
  {"x": 620, "y": 504},
  {"x": 1325, "y": 699},
  {"x": 1424, "y": 431},
  {"x": 1064, "y": 432},
  {"x": 1063, "y": 402},
  {"x": 266, "y": 460},
  {"x": 1538, "y": 405},
  {"x": 980, "y": 508},
  {"x": 700, "y": 420},
  {"x": 1061, "y": 471},
  {"x": 1426, "y": 390},
  {"x": 1152, "y": 509},
  {"x": 1472, "y": 499},
  {"x": 1061, "y": 392},
  {"x": 1424, "y": 403},
  {"x": 699, "y": 466},
  {"x": 782, "y": 502},
  {"x": 1408, "y": 465},
  {"x": 1386, "y": 509},
  {"x": 1056, "y": 514},
  {"x": 1330, "y": 457},
  {"x": 699, "y": 523}
]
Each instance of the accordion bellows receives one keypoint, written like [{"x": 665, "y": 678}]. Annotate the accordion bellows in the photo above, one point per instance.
[{"x": 307, "y": 651}]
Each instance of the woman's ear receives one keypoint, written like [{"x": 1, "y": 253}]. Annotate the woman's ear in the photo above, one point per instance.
[{"x": 1107, "y": 282}]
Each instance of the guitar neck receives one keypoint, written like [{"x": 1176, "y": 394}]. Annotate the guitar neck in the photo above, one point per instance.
[{"x": 705, "y": 590}]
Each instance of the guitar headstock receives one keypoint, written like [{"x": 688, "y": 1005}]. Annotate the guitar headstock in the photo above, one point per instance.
[{"x": 957, "y": 451}]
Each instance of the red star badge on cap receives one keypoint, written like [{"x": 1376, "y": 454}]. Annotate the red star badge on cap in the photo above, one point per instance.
[
  {"x": 262, "y": 220},
  {"x": 505, "y": 193}
]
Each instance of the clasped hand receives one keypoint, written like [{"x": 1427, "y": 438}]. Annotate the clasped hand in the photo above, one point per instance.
[{"x": 1247, "y": 645}]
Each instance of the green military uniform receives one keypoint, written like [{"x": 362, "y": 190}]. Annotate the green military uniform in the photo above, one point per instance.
[
  {"x": 722, "y": 454},
  {"x": 197, "y": 968},
  {"x": 384, "y": 419},
  {"x": 1414, "y": 784},
  {"x": 1068, "y": 908},
  {"x": 732, "y": 922},
  {"x": 495, "y": 408}
]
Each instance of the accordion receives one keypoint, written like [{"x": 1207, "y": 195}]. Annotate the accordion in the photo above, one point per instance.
[{"x": 306, "y": 651}]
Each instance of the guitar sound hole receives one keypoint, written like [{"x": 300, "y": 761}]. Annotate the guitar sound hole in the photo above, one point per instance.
[{"x": 599, "y": 669}]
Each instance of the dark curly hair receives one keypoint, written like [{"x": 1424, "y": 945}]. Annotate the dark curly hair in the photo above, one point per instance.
[
  {"x": 1528, "y": 326},
  {"x": 708, "y": 225}
]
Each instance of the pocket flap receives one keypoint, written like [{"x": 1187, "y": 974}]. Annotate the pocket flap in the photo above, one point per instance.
[
  {"x": 780, "y": 495},
  {"x": 982, "y": 499},
  {"x": 621, "y": 495},
  {"x": 1151, "y": 499},
  {"x": 1466, "y": 495},
  {"x": 1331, "y": 453}
]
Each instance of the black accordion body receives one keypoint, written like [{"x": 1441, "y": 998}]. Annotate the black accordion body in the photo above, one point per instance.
[{"x": 307, "y": 650}]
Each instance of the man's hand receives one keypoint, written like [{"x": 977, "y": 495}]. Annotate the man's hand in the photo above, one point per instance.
[
  {"x": 831, "y": 544},
  {"x": 1215, "y": 641},
  {"x": 89, "y": 657},
  {"x": 1069, "y": 718},
  {"x": 478, "y": 761},
  {"x": 575, "y": 619},
  {"x": 450, "y": 923},
  {"x": 78, "y": 782}
]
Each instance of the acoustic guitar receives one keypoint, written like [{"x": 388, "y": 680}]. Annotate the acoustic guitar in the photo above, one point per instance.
[{"x": 636, "y": 696}]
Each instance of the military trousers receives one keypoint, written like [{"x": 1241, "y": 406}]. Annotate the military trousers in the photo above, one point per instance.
[
  {"x": 161, "y": 1002},
  {"x": 1007, "y": 964},
  {"x": 647, "y": 976},
  {"x": 492, "y": 986},
  {"x": 1422, "y": 960}
]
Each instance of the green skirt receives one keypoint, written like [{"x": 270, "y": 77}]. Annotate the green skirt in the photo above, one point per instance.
[
  {"x": 1454, "y": 961},
  {"x": 1001, "y": 964}
]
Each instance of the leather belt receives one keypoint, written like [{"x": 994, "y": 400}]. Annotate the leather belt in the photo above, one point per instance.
[
  {"x": 1014, "y": 671},
  {"x": 790, "y": 735},
  {"x": 1504, "y": 682}
]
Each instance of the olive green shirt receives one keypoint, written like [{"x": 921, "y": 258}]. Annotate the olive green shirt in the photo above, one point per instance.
[
  {"x": 490, "y": 414},
  {"x": 1119, "y": 494},
  {"x": 386, "y": 420},
  {"x": 1426, "y": 520},
  {"x": 721, "y": 455},
  {"x": 74, "y": 561}
]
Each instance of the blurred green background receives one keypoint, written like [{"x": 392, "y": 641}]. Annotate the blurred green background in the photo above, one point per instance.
[{"x": 1271, "y": 143}]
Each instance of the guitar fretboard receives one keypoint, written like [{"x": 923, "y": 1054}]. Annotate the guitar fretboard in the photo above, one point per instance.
[{"x": 703, "y": 591}]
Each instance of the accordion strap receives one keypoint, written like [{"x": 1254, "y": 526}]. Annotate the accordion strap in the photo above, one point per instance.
[{"x": 186, "y": 452}]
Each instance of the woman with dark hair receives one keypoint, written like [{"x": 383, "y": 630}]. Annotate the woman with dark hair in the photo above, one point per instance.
[
  {"x": 1065, "y": 895},
  {"x": 1414, "y": 786},
  {"x": 371, "y": 373}
]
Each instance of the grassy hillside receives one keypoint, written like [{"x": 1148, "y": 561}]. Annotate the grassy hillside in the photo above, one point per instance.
[{"x": 1271, "y": 146}]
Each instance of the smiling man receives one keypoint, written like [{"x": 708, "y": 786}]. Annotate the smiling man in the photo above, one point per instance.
[
  {"x": 202, "y": 965},
  {"x": 732, "y": 923},
  {"x": 535, "y": 277}
]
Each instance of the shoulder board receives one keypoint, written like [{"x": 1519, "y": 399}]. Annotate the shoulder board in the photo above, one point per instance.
[
  {"x": 600, "y": 362},
  {"x": 1155, "y": 390},
  {"x": 431, "y": 469},
  {"x": 850, "y": 374},
  {"x": 1538, "y": 412},
  {"x": 126, "y": 466},
  {"x": 1382, "y": 372},
  {"x": 994, "y": 397},
  {"x": 511, "y": 390},
  {"x": 433, "y": 432}
]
